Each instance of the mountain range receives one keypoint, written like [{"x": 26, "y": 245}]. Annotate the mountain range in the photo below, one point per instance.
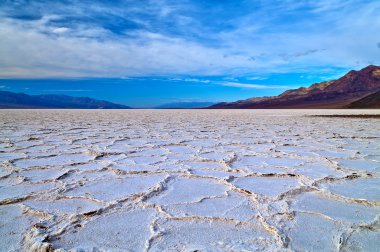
[
  {"x": 356, "y": 89},
  {"x": 51, "y": 101},
  {"x": 184, "y": 105}
]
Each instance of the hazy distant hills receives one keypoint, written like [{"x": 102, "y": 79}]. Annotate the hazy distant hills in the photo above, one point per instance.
[
  {"x": 185, "y": 105},
  {"x": 20, "y": 100},
  {"x": 356, "y": 89}
]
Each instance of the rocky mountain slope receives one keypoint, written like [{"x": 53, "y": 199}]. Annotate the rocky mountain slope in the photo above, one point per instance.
[
  {"x": 370, "y": 101},
  {"x": 341, "y": 93}
]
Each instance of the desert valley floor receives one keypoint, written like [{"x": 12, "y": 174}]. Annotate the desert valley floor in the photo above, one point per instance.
[{"x": 189, "y": 180}]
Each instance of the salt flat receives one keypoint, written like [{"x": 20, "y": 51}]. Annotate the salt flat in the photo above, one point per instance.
[{"x": 189, "y": 180}]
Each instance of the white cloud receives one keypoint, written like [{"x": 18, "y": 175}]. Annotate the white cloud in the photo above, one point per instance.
[
  {"x": 256, "y": 78},
  {"x": 190, "y": 80},
  {"x": 251, "y": 86},
  {"x": 331, "y": 33},
  {"x": 60, "y": 30},
  {"x": 29, "y": 53}
]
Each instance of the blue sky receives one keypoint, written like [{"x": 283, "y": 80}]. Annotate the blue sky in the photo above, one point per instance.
[{"x": 144, "y": 53}]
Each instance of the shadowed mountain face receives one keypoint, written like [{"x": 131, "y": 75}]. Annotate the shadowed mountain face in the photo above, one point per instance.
[
  {"x": 370, "y": 101},
  {"x": 20, "y": 100},
  {"x": 341, "y": 93}
]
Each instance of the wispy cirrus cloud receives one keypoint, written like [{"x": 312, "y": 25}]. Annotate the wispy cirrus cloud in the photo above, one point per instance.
[
  {"x": 190, "y": 80},
  {"x": 232, "y": 83},
  {"x": 251, "y": 86},
  {"x": 199, "y": 38}
]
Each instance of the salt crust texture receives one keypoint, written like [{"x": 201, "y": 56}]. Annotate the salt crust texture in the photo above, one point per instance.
[{"x": 189, "y": 180}]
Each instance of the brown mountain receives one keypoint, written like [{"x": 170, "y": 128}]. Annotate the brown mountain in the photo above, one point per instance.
[
  {"x": 341, "y": 93},
  {"x": 370, "y": 101}
]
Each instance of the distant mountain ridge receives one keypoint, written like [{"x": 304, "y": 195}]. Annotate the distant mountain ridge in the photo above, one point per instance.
[
  {"x": 50, "y": 101},
  {"x": 341, "y": 93},
  {"x": 184, "y": 105}
]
